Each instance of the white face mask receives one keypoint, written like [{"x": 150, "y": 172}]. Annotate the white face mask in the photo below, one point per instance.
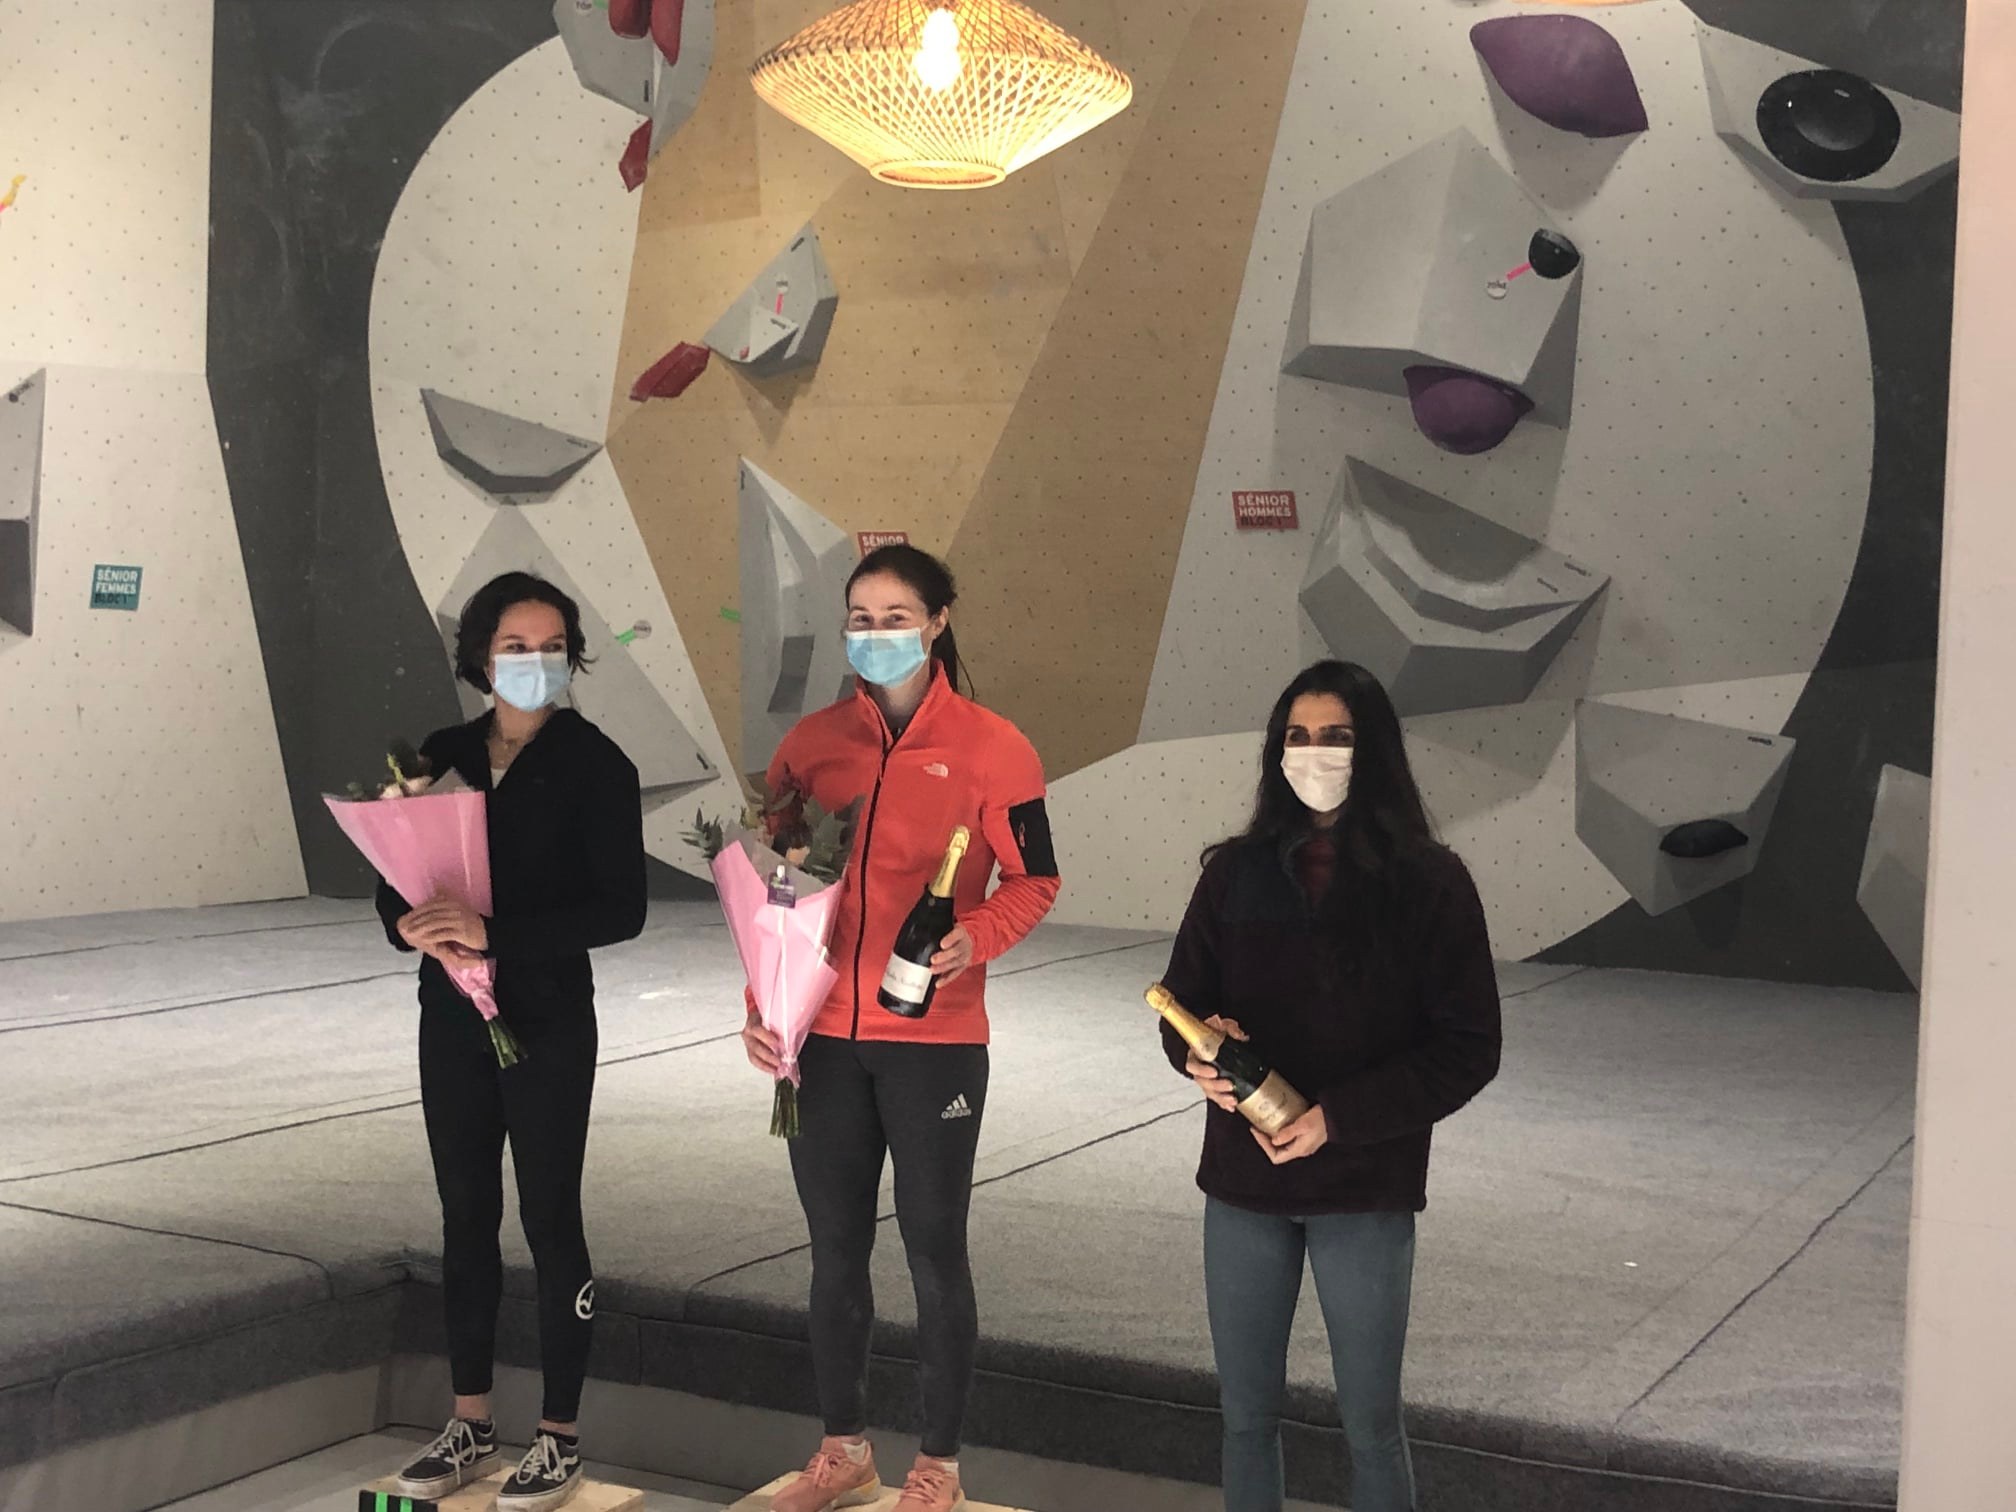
[{"x": 1320, "y": 775}]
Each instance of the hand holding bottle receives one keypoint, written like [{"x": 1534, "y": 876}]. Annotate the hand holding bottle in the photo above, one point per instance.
[
  {"x": 1260, "y": 1094},
  {"x": 1305, "y": 1136},
  {"x": 1213, "y": 1083},
  {"x": 955, "y": 954}
]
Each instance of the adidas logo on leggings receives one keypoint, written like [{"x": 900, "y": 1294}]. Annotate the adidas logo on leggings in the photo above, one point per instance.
[{"x": 960, "y": 1108}]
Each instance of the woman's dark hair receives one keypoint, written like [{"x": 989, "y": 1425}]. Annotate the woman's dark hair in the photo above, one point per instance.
[
  {"x": 486, "y": 609},
  {"x": 1383, "y": 818},
  {"x": 931, "y": 580}
]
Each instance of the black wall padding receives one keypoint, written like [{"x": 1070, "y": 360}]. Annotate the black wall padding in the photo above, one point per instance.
[{"x": 318, "y": 114}]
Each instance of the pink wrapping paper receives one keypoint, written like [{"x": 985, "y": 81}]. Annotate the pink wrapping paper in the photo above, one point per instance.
[
  {"x": 431, "y": 846},
  {"x": 783, "y": 950}
]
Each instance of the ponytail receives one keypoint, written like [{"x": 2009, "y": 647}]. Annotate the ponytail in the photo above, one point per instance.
[{"x": 931, "y": 580}]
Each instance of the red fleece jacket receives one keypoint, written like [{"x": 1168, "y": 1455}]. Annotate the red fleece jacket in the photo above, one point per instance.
[{"x": 955, "y": 763}]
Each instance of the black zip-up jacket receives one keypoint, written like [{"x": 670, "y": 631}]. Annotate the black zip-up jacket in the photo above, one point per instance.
[
  {"x": 566, "y": 863},
  {"x": 1384, "y": 1062}
]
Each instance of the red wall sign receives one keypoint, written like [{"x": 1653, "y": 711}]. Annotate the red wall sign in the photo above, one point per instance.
[
  {"x": 1265, "y": 511},
  {"x": 868, "y": 540}
]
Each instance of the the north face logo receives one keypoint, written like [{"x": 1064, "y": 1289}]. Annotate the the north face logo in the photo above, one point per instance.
[
  {"x": 960, "y": 1108},
  {"x": 937, "y": 769}
]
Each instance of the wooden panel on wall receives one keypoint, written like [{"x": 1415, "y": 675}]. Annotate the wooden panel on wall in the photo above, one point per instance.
[
  {"x": 946, "y": 303},
  {"x": 1067, "y": 554}
]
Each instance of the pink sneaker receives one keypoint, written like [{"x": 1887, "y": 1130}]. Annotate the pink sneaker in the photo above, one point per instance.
[
  {"x": 831, "y": 1480},
  {"x": 931, "y": 1488}
]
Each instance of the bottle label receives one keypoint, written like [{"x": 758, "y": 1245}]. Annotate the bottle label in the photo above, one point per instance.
[
  {"x": 906, "y": 981},
  {"x": 1274, "y": 1105}
]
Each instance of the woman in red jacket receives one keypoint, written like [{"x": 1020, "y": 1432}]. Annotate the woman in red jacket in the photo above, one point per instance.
[
  {"x": 1352, "y": 949},
  {"x": 924, "y": 760}
]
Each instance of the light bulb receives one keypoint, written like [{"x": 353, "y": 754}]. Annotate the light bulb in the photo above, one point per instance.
[{"x": 938, "y": 61}]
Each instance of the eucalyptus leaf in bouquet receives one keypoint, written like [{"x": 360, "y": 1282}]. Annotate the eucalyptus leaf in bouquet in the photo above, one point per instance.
[{"x": 802, "y": 832}]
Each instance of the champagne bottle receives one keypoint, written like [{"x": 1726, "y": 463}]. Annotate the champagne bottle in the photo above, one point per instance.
[
  {"x": 908, "y": 986},
  {"x": 1264, "y": 1096}
]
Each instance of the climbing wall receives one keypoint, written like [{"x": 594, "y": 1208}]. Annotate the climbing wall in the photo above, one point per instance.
[{"x": 142, "y": 761}]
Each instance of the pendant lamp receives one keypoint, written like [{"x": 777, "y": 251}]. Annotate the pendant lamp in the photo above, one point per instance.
[{"x": 940, "y": 94}]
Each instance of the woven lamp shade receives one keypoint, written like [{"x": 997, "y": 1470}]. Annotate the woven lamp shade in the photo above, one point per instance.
[{"x": 1015, "y": 88}]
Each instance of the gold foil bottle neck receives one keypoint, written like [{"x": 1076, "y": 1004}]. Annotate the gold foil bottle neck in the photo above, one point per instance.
[
  {"x": 948, "y": 869},
  {"x": 1200, "y": 1036}
]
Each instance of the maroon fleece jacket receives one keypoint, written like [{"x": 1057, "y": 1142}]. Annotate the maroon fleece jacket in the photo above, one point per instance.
[{"x": 1386, "y": 1049}]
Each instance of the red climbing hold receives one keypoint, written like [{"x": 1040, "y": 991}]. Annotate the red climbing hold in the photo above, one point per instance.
[
  {"x": 636, "y": 159},
  {"x": 630, "y": 18},
  {"x": 661, "y": 20},
  {"x": 671, "y": 375},
  {"x": 667, "y": 20}
]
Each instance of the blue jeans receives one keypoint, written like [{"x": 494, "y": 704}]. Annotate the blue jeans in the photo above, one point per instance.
[{"x": 1364, "y": 1265}]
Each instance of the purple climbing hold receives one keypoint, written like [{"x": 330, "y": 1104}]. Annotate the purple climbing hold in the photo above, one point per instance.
[
  {"x": 1566, "y": 70},
  {"x": 1462, "y": 412}
]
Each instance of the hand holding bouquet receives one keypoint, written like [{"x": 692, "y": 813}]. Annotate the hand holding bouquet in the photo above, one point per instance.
[
  {"x": 779, "y": 871},
  {"x": 428, "y": 837}
]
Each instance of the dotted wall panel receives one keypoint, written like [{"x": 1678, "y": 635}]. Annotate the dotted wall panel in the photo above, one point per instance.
[
  {"x": 110, "y": 709},
  {"x": 110, "y": 458},
  {"x": 113, "y": 243},
  {"x": 506, "y": 290}
]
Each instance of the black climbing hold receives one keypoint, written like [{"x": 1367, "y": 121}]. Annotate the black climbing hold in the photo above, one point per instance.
[
  {"x": 1702, "y": 838},
  {"x": 1828, "y": 125},
  {"x": 1552, "y": 254}
]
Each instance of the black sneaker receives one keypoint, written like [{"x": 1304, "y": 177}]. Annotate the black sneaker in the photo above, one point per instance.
[
  {"x": 546, "y": 1478},
  {"x": 465, "y": 1452}
]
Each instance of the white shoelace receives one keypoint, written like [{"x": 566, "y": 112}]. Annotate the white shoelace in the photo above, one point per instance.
[
  {"x": 457, "y": 1444},
  {"x": 544, "y": 1459}
]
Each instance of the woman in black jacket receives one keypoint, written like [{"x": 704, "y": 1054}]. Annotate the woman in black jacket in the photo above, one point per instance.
[
  {"x": 566, "y": 834},
  {"x": 1351, "y": 948}
]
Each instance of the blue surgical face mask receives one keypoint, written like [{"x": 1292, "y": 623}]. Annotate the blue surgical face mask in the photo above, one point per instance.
[
  {"x": 531, "y": 680},
  {"x": 886, "y": 658}
]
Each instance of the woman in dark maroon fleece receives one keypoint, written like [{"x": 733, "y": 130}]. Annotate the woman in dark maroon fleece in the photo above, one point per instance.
[{"x": 1350, "y": 947}]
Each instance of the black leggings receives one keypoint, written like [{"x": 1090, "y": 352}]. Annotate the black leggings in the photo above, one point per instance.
[
  {"x": 542, "y": 1104},
  {"x": 922, "y": 1104}
]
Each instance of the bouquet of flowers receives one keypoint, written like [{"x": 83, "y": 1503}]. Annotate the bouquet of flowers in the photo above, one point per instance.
[
  {"x": 778, "y": 870},
  {"x": 427, "y": 836}
]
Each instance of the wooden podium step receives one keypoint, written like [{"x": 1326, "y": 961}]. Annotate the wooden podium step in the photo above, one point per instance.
[
  {"x": 759, "y": 1501},
  {"x": 481, "y": 1496}
]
